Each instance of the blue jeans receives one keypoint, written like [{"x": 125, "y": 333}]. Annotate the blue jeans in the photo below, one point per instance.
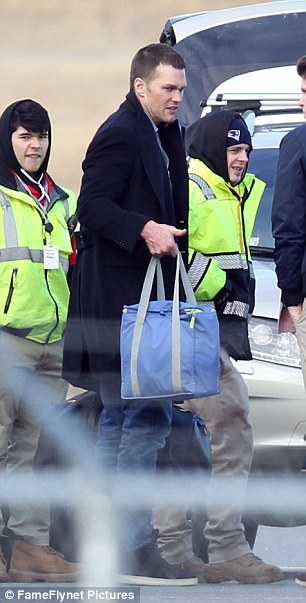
[{"x": 130, "y": 435}]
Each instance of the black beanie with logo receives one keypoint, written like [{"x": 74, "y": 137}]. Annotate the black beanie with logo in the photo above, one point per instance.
[{"x": 238, "y": 133}]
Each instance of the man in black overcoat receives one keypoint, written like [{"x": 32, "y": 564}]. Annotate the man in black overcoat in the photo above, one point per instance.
[{"x": 132, "y": 205}]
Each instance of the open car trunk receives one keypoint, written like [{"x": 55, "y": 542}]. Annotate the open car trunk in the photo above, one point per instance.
[{"x": 218, "y": 45}]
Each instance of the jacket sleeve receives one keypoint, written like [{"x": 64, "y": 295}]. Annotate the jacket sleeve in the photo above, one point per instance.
[
  {"x": 206, "y": 276},
  {"x": 108, "y": 167},
  {"x": 289, "y": 218}
]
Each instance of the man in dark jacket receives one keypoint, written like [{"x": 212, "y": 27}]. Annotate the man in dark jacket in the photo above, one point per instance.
[
  {"x": 132, "y": 205},
  {"x": 289, "y": 231}
]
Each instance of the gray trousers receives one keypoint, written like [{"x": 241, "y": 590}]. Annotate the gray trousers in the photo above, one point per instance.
[
  {"x": 30, "y": 380},
  {"x": 226, "y": 417}
]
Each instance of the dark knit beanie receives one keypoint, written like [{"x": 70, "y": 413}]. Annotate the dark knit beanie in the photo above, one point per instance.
[{"x": 238, "y": 133}]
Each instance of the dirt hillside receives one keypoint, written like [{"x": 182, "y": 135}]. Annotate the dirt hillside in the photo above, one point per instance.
[{"x": 74, "y": 58}]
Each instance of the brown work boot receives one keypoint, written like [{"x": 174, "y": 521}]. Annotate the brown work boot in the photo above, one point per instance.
[
  {"x": 197, "y": 568},
  {"x": 3, "y": 570},
  {"x": 247, "y": 569},
  {"x": 30, "y": 562}
]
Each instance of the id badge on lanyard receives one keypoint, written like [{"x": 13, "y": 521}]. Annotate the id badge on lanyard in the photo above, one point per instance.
[{"x": 51, "y": 257}]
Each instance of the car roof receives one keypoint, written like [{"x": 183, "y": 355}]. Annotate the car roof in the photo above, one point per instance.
[
  {"x": 190, "y": 23},
  {"x": 222, "y": 44}
]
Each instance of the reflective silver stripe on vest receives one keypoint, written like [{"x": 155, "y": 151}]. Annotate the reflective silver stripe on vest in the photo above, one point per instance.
[
  {"x": 231, "y": 261},
  {"x": 9, "y": 224},
  {"x": 200, "y": 263},
  {"x": 227, "y": 261},
  {"x": 13, "y": 254},
  {"x": 237, "y": 308},
  {"x": 197, "y": 268},
  {"x": 205, "y": 188}
]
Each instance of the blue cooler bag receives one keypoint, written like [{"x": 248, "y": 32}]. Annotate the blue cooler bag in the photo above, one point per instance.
[{"x": 169, "y": 349}]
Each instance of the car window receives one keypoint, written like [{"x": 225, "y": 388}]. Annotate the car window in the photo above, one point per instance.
[{"x": 263, "y": 164}]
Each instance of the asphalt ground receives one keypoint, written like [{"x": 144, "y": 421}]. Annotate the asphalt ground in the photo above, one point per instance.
[{"x": 280, "y": 592}]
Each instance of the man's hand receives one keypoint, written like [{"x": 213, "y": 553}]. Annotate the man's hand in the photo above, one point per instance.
[
  {"x": 160, "y": 238},
  {"x": 295, "y": 312}
]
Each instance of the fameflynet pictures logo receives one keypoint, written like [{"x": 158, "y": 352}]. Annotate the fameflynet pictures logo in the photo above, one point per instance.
[{"x": 69, "y": 594}]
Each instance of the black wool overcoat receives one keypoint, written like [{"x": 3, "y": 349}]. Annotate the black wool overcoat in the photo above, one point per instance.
[{"x": 125, "y": 184}]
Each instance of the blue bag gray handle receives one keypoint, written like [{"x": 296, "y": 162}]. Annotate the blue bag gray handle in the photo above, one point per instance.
[{"x": 155, "y": 267}]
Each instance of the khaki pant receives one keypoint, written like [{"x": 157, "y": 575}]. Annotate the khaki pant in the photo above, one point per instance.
[
  {"x": 301, "y": 337},
  {"x": 226, "y": 417},
  {"x": 30, "y": 380}
]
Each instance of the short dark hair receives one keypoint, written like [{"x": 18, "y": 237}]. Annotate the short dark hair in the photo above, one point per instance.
[
  {"x": 147, "y": 59},
  {"x": 301, "y": 66},
  {"x": 31, "y": 116}
]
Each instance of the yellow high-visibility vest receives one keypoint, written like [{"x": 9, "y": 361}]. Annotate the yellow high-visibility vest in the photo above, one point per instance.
[
  {"x": 220, "y": 228},
  {"x": 34, "y": 299}
]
